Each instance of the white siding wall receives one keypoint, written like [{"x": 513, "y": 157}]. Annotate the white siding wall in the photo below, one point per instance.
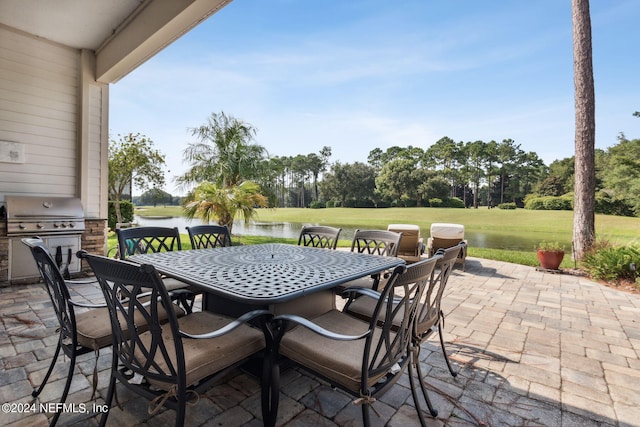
[{"x": 38, "y": 107}]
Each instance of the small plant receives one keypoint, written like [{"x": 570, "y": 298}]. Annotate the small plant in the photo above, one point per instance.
[
  {"x": 613, "y": 264},
  {"x": 550, "y": 247}
]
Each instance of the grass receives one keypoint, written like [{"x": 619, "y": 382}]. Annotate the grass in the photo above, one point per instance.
[{"x": 533, "y": 225}]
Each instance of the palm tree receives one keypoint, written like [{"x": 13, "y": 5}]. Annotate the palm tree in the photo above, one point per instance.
[
  {"x": 209, "y": 200},
  {"x": 223, "y": 163},
  {"x": 224, "y": 153},
  {"x": 585, "y": 168}
]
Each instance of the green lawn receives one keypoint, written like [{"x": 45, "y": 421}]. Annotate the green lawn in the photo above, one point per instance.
[{"x": 524, "y": 224}]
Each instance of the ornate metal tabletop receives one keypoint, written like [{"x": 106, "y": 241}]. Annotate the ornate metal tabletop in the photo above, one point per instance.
[{"x": 268, "y": 273}]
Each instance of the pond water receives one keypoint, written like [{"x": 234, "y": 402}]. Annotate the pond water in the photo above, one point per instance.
[{"x": 481, "y": 239}]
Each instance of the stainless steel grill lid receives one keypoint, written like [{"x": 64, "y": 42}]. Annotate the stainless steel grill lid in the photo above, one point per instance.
[{"x": 44, "y": 215}]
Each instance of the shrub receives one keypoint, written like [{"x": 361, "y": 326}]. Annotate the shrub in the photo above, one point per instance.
[
  {"x": 317, "y": 204},
  {"x": 453, "y": 202},
  {"x": 508, "y": 205},
  {"x": 612, "y": 264},
  {"x": 534, "y": 203},
  {"x": 126, "y": 209},
  {"x": 608, "y": 205},
  {"x": 553, "y": 203},
  {"x": 549, "y": 203},
  {"x": 435, "y": 202}
]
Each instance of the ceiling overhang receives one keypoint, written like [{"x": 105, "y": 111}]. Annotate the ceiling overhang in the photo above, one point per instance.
[{"x": 122, "y": 33}]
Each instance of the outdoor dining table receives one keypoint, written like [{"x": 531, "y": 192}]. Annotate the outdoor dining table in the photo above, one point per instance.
[{"x": 238, "y": 279}]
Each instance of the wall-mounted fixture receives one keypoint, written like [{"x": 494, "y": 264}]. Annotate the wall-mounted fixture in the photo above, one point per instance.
[{"x": 11, "y": 152}]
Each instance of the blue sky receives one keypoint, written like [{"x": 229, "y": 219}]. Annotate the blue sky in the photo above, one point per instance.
[{"x": 359, "y": 74}]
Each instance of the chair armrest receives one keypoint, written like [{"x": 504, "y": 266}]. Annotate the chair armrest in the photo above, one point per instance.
[
  {"x": 85, "y": 304},
  {"x": 349, "y": 292},
  {"x": 81, "y": 281},
  {"x": 367, "y": 292},
  {"x": 319, "y": 329},
  {"x": 230, "y": 326}
]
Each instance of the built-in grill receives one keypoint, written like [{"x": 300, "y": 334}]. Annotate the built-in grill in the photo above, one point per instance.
[{"x": 59, "y": 221}]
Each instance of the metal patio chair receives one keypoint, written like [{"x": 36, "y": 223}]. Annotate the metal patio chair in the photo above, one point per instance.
[
  {"x": 373, "y": 242},
  {"x": 319, "y": 236},
  {"x": 169, "y": 363},
  {"x": 80, "y": 332},
  {"x": 362, "y": 358},
  {"x": 143, "y": 240},
  {"x": 429, "y": 317},
  {"x": 209, "y": 236}
]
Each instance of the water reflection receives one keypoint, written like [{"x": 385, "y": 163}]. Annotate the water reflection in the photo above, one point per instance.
[{"x": 482, "y": 239}]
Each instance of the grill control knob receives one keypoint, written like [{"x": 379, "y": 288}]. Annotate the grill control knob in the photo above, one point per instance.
[
  {"x": 21, "y": 226},
  {"x": 72, "y": 224},
  {"x": 40, "y": 226}
]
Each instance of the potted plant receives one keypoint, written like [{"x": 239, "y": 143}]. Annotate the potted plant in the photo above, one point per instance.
[{"x": 550, "y": 255}]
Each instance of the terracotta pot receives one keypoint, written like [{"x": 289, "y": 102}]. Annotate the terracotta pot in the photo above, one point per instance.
[{"x": 550, "y": 260}]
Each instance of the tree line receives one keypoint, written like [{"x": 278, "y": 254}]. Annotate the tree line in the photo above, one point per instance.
[{"x": 226, "y": 166}]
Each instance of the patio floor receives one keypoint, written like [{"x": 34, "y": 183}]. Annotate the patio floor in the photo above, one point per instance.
[{"x": 532, "y": 348}]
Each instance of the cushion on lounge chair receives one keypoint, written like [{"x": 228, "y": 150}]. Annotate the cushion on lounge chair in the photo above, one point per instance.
[{"x": 411, "y": 244}]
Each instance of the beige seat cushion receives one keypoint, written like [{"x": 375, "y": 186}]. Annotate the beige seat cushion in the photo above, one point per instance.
[
  {"x": 94, "y": 326},
  {"x": 363, "y": 307},
  {"x": 340, "y": 361},
  {"x": 364, "y": 282},
  {"x": 308, "y": 306},
  {"x": 204, "y": 357}
]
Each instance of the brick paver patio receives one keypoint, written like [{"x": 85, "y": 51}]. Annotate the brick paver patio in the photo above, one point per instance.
[{"x": 532, "y": 349}]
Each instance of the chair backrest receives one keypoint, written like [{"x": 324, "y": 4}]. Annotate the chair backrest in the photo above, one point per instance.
[
  {"x": 429, "y": 309},
  {"x": 142, "y": 240},
  {"x": 445, "y": 235},
  {"x": 376, "y": 242},
  {"x": 56, "y": 288},
  {"x": 410, "y": 241},
  {"x": 209, "y": 236},
  {"x": 131, "y": 290},
  {"x": 395, "y": 312},
  {"x": 319, "y": 236}
]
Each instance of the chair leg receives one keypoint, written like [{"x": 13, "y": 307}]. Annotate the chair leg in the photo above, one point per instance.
[
  {"x": 415, "y": 362},
  {"x": 270, "y": 394},
  {"x": 366, "y": 418},
  {"x": 110, "y": 391},
  {"x": 36, "y": 392},
  {"x": 181, "y": 409},
  {"x": 67, "y": 386},
  {"x": 444, "y": 350}
]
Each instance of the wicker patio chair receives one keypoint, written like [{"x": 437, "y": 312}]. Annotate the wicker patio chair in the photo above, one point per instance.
[
  {"x": 445, "y": 235},
  {"x": 411, "y": 245}
]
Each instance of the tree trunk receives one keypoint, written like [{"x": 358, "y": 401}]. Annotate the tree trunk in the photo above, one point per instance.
[{"x": 585, "y": 180}]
